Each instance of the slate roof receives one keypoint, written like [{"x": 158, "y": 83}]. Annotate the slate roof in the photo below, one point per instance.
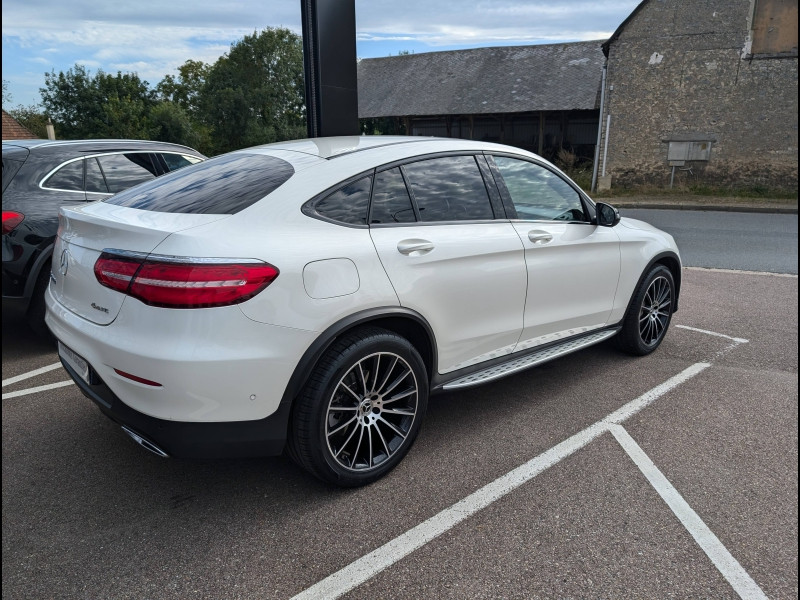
[
  {"x": 483, "y": 80},
  {"x": 12, "y": 130}
]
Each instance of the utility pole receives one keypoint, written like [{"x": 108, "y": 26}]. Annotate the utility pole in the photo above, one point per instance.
[{"x": 329, "y": 61}]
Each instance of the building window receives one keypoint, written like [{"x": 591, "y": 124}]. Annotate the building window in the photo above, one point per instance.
[{"x": 774, "y": 28}]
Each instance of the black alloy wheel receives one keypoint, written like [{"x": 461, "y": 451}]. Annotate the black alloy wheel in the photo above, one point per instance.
[
  {"x": 361, "y": 408},
  {"x": 650, "y": 312}
]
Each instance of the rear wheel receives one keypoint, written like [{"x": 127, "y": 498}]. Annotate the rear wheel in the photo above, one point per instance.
[
  {"x": 361, "y": 409},
  {"x": 650, "y": 313}
]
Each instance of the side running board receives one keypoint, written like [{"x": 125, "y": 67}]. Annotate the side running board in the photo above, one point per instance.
[{"x": 529, "y": 360}]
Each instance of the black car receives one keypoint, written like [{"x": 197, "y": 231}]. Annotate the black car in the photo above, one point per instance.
[{"x": 39, "y": 176}]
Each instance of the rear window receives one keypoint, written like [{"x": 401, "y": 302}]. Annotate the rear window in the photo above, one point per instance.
[{"x": 223, "y": 185}]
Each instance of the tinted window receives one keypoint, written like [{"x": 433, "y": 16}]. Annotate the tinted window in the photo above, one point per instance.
[
  {"x": 538, "y": 193},
  {"x": 177, "y": 161},
  {"x": 390, "y": 200},
  {"x": 348, "y": 204},
  {"x": 126, "y": 170},
  {"x": 449, "y": 189},
  {"x": 223, "y": 185},
  {"x": 94, "y": 177},
  {"x": 68, "y": 177}
]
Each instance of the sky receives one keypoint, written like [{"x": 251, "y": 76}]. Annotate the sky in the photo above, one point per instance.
[{"x": 153, "y": 37}]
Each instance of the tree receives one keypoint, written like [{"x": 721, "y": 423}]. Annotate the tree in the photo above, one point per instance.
[
  {"x": 32, "y": 118},
  {"x": 6, "y": 93},
  {"x": 185, "y": 89},
  {"x": 169, "y": 122},
  {"x": 99, "y": 106},
  {"x": 254, "y": 94}
]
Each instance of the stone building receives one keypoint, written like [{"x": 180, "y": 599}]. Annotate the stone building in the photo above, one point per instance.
[
  {"x": 702, "y": 91},
  {"x": 541, "y": 98}
]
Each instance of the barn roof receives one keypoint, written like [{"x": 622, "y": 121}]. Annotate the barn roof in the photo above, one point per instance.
[{"x": 506, "y": 79}]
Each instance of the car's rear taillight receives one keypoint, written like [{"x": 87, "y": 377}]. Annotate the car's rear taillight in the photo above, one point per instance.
[
  {"x": 11, "y": 219},
  {"x": 184, "y": 282}
]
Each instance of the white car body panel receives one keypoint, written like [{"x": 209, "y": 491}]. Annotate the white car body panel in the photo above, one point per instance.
[
  {"x": 564, "y": 260},
  {"x": 470, "y": 285}
]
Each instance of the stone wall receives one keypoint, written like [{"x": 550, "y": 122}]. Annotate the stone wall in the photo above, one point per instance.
[{"x": 680, "y": 69}]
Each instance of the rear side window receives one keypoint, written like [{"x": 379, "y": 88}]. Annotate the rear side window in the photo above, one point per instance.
[
  {"x": 126, "y": 170},
  {"x": 95, "y": 182},
  {"x": 390, "y": 200},
  {"x": 449, "y": 189},
  {"x": 223, "y": 185},
  {"x": 173, "y": 162},
  {"x": 348, "y": 204},
  {"x": 69, "y": 177}
]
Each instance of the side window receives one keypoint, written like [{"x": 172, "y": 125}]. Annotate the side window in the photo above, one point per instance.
[
  {"x": 177, "y": 161},
  {"x": 126, "y": 170},
  {"x": 69, "y": 177},
  {"x": 538, "y": 193},
  {"x": 94, "y": 177},
  {"x": 390, "y": 200},
  {"x": 449, "y": 189},
  {"x": 348, "y": 204}
]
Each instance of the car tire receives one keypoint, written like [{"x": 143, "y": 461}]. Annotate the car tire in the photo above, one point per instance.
[
  {"x": 649, "y": 314},
  {"x": 361, "y": 409},
  {"x": 37, "y": 307}
]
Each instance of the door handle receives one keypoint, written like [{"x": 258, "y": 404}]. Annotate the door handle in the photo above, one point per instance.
[
  {"x": 414, "y": 247},
  {"x": 539, "y": 237}
]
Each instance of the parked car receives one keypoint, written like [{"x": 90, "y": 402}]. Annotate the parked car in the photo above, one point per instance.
[
  {"x": 39, "y": 176},
  {"x": 312, "y": 294}
]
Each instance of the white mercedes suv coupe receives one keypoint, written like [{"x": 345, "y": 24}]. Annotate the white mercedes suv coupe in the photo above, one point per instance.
[{"x": 310, "y": 295}]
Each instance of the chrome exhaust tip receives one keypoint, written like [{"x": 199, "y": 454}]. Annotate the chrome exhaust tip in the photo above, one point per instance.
[{"x": 146, "y": 444}]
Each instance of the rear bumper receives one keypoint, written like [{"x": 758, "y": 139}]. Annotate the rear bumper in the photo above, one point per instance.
[{"x": 263, "y": 437}]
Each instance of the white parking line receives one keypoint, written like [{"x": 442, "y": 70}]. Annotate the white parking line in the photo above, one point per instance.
[
  {"x": 30, "y": 374},
  {"x": 34, "y": 390},
  {"x": 714, "y": 333},
  {"x": 376, "y": 561},
  {"x": 730, "y": 568},
  {"x": 739, "y": 272}
]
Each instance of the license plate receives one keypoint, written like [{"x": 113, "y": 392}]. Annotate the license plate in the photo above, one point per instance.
[{"x": 78, "y": 364}]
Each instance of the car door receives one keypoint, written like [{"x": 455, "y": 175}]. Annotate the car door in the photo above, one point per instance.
[
  {"x": 573, "y": 265},
  {"x": 448, "y": 258}
]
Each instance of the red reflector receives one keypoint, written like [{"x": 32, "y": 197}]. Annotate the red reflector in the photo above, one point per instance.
[
  {"x": 177, "y": 284},
  {"x": 11, "y": 219},
  {"x": 137, "y": 379}
]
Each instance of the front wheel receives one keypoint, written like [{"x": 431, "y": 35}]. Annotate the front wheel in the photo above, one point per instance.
[
  {"x": 649, "y": 314},
  {"x": 361, "y": 409}
]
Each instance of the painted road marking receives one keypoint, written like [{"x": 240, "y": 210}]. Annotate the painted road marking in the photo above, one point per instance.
[
  {"x": 34, "y": 390},
  {"x": 730, "y": 568},
  {"x": 714, "y": 333},
  {"x": 368, "y": 566},
  {"x": 30, "y": 374},
  {"x": 740, "y": 272}
]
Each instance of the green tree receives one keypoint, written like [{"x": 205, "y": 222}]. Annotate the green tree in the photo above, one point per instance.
[
  {"x": 254, "y": 94},
  {"x": 169, "y": 122},
  {"x": 32, "y": 118},
  {"x": 6, "y": 93},
  {"x": 185, "y": 89},
  {"x": 102, "y": 105}
]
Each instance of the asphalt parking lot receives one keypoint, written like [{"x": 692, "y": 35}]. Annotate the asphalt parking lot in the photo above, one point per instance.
[{"x": 597, "y": 475}]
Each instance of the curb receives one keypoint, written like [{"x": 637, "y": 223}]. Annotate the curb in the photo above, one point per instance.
[{"x": 782, "y": 210}]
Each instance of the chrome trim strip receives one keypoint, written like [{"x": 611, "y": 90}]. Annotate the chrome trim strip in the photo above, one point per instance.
[{"x": 182, "y": 259}]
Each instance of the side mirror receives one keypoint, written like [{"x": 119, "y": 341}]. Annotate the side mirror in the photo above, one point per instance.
[{"x": 607, "y": 215}]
